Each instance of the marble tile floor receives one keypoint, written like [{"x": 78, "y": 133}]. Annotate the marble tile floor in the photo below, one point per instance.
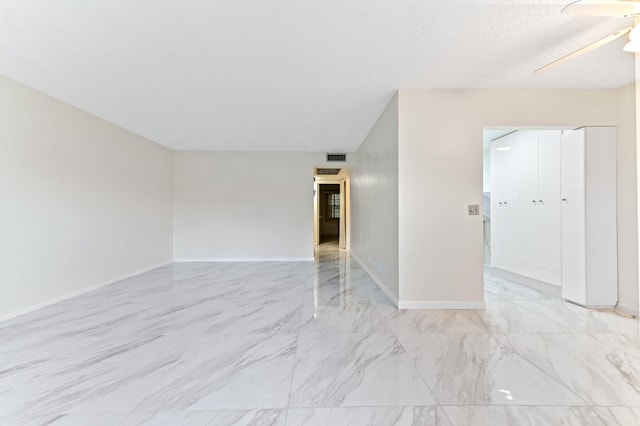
[{"x": 312, "y": 344}]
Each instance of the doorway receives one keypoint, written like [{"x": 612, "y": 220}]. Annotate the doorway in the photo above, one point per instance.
[
  {"x": 332, "y": 213},
  {"x": 329, "y": 207},
  {"x": 522, "y": 212}
]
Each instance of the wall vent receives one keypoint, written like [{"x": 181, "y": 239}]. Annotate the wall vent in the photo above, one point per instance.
[{"x": 337, "y": 157}]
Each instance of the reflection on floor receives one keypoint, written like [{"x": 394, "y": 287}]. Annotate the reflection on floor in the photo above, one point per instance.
[{"x": 312, "y": 344}]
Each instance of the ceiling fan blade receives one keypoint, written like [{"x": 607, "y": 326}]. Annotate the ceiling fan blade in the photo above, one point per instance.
[
  {"x": 619, "y": 8},
  {"x": 586, "y": 49}
]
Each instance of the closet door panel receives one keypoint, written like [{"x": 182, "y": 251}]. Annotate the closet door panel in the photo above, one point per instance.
[
  {"x": 601, "y": 216},
  {"x": 503, "y": 204},
  {"x": 525, "y": 147},
  {"x": 573, "y": 216},
  {"x": 497, "y": 194},
  {"x": 549, "y": 207}
]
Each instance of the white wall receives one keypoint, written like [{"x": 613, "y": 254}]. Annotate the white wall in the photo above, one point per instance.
[
  {"x": 374, "y": 202},
  {"x": 82, "y": 202},
  {"x": 627, "y": 200},
  {"x": 637, "y": 145},
  {"x": 486, "y": 175},
  {"x": 440, "y": 172},
  {"x": 244, "y": 205}
]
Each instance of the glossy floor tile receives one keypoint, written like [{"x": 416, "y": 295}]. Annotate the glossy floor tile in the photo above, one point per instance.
[
  {"x": 313, "y": 343},
  {"x": 482, "y": 369},
  {"x": 177, "y": 418},
  {"x": 374, "y": 416},
  {"x": 370, "y": 369},
  {"x": 542, "y": 416}
]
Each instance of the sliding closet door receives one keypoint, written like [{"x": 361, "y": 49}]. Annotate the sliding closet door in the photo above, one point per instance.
[
  {"x": 525, "y": 148},
  {"x": 549, "y": 207},
  {"x": 504, "y": 204}
]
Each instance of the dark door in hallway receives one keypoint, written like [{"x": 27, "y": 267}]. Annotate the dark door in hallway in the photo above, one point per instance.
[{"x": 329, "y": 212}]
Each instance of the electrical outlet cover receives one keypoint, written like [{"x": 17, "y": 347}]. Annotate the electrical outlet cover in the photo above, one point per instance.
[{"x": 474, "y": 209}]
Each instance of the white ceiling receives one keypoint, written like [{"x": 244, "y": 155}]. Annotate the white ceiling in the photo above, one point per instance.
[{"x": 288, "y": 74}]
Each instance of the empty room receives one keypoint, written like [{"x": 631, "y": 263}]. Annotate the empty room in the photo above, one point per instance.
[{"x": 319, "y": 213}]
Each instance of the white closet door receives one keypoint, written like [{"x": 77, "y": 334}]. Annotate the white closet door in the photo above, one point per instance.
[
  {"x": 600, "y": 213},
  {"x": 503, "y": 204},
  {"x": 525, "y": 148},
  {"x": 573, "y": 216},
  {"x": 549, "y": 207},
  {"x": 498, "y": 175}
]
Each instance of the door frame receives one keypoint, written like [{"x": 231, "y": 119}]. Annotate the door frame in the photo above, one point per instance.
[{"x": 344, "y": 233}]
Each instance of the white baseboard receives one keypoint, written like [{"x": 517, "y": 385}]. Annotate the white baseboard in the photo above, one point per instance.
[
  {"x": 628, "y": 309},
  {"x": 375, "y": 279},
  {"x": 436, "y": 304},
  {"x": 544, "y": 287},
  {"x": 582, "y": 305},
  {"x": 67, "y": 296},
  {"x": 243, "y": 259},
  {"x": 417, "y": 304}
]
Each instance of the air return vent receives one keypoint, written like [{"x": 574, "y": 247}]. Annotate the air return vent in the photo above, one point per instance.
[
  {"x": 327, "y": 171},
  {"x": 337, "y": 157}
]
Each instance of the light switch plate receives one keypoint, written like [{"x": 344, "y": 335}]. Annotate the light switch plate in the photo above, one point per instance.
[{"x": 474, "y": 209}]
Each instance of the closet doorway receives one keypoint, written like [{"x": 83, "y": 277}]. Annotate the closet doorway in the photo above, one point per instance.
[{"x": 550, "y": 213}]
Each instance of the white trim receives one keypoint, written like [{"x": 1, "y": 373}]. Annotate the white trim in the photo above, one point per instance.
[
  {"x": 375, "y": 279},
  {"x": 73, "y": 294},
  {"x": 437, "y": 304},
  {"x": 628, "y": 309},
  {"x": 328, "y": 179},
  {"x": 582, "y": 305},
  {"x": 542, "y": 286},
  {"x": 417, "y": 304},
  {"x": 244, "y": 259}
]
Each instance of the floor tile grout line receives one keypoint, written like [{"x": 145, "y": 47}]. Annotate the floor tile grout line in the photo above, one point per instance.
[
  {"x": 295, "y": 354},
  {"x": 544, "y": 405},
  {"x": 305, "y": 407},
  {"x": 443, "y": 408},
  {"x": 413, "y": 363},
  {"x": 489, "y": 332},
  {"x": 561, "y": 383},
  {"x": 558, "y": 381}
]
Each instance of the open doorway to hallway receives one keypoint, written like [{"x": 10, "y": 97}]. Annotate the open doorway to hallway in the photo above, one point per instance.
[
  {"x": 332, "y": 212},
  {"x": 329, "y": 207}
]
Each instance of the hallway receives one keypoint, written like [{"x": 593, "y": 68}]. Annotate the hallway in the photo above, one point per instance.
[{"x": 304, "y": 343}]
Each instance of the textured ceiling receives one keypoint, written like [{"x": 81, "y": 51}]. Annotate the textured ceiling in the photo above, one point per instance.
[{"x": 288, "y": 74}]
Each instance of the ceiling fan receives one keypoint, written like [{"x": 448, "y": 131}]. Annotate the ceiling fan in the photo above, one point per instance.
[{"x": 615, "y": 8}]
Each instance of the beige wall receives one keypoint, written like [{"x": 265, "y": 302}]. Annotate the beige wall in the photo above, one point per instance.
[
  {"x": 244, "y": 205},
  {"x": 627, "y": 200},
  {"x": 440, "y": 172},
  {"x": 374, "y": 201},
  {"x": 637, "y": 117},
  {"x": 82, "y": 202}
]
